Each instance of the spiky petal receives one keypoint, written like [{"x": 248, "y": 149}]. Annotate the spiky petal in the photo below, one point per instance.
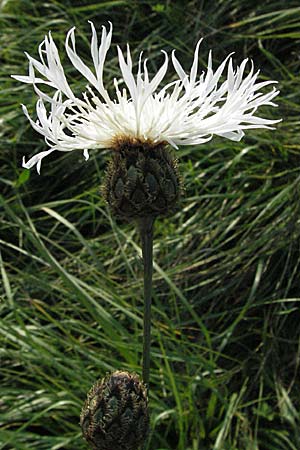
[{"x": 188, "y": 111}]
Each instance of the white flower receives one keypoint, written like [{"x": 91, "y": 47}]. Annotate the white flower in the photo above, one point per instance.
[{"x": 187, "y": 111}]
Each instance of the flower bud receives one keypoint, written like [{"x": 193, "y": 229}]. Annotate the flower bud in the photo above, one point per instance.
[
  {"x": 115, "y": 415},
  {"x": 142, "y": 180}
]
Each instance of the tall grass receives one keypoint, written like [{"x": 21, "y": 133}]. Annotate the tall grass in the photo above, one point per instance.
[{"x": 225, "y": 346}]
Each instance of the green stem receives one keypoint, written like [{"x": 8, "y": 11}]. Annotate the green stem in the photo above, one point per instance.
[{"x": 146, "y": 232}]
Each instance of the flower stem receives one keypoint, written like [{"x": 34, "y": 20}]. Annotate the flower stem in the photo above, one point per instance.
[{"x": 146, "y": 232}]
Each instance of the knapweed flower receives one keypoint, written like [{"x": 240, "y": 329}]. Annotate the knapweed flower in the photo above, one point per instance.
[
  {"x": 142, "y": 119},
  {"x": 186, "y": 111}
]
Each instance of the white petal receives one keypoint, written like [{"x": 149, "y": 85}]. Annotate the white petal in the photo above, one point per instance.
[
  {"x": 180, "y": 72},
  {"x": 194, "y": 68},
  {"x": 233, "y": 135},
  {"x": 126, "y": 70},
  {"x": 160, "y": 74},
  {"x": 86, "y": 154},
  {"x": 36, "y": 160},
  {"x": 187, "y": 111},
  {"x": 76, "y": 61}
]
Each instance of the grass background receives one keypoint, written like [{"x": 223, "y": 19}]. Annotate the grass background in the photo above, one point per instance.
[{"x": 225, "y": 348}]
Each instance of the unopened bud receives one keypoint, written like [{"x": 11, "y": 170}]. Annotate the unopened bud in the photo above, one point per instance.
[{"x": 115, "y": 415}]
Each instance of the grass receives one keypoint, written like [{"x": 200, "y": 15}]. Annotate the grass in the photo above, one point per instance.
[{"x": 225, "y": 346}]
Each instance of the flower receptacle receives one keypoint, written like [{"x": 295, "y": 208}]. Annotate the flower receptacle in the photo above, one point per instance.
[{"x": 142, "y": 180}]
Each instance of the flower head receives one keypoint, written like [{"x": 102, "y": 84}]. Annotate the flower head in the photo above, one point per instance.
[
  {"x": 115, "y": 415},
  {"x": 186, "y": 111}
]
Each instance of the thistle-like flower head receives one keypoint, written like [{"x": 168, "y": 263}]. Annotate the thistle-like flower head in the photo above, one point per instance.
[
  {"x": 115, "y": 415},
  {"x": 186, "y": 111}
]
